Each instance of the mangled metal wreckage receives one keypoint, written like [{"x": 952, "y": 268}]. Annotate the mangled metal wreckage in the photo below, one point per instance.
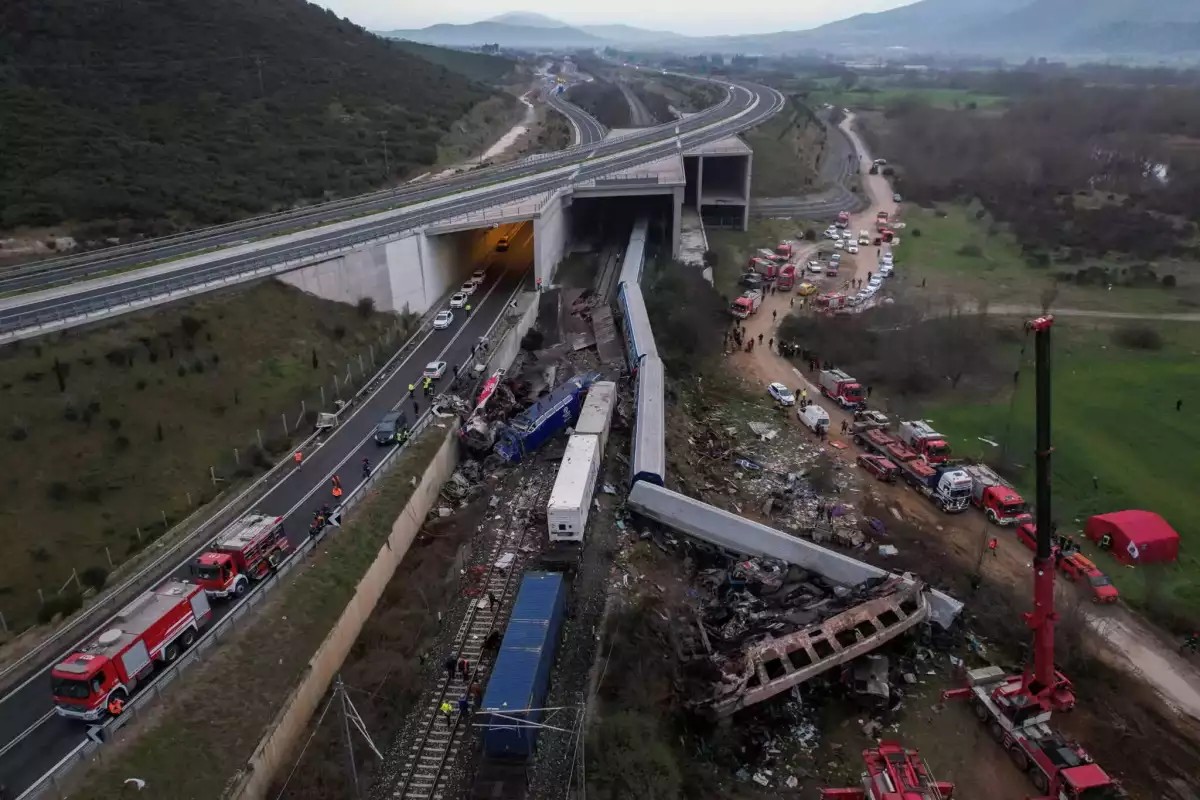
[{"x": 798, "y": 612}]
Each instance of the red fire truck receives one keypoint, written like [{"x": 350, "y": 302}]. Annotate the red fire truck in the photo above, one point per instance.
[
  {"x": 157, "y": 626},
  {"x": 245, "y": 551}
]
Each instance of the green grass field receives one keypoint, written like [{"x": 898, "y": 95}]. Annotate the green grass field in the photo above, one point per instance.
[
  {"x": 1114, "y": 420},
  {"x": 945, "y": 256}
]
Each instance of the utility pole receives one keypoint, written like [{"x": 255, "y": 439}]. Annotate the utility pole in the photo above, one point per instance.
[
  {"x": 340, "y": 688},
  {"x": 387, "y": 170}
]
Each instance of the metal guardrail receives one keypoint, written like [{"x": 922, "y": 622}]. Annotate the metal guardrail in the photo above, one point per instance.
[
  {"x": 117, "y": 596},
  {"x": 18, "y": 324},
  {"x": 55, "y": 778},
  {"x": 400, "y": 192}
]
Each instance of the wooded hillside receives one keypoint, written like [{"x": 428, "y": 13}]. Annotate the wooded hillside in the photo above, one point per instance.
[{"x": 150, "y": 115}]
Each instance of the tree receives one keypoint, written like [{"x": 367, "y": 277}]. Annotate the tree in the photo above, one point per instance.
[{"x": 711, "y": 258}]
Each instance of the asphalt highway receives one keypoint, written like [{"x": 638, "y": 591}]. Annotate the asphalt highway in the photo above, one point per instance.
[
  {"x": 26, "y": 311},
  {"x": 589, "y": 128},
  {"x": 76, "y": 267},
  {"x": 24, "y": 710},
  {"x": 32, "y": 738}
]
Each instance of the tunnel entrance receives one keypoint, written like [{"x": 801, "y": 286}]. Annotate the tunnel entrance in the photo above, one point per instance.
[{"x": 599, "y": 234}]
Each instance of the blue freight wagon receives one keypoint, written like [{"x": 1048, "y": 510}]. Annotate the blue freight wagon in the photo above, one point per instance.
[
  {"x": 530, "y": 429},
  {"x": 521, "y": 676}
]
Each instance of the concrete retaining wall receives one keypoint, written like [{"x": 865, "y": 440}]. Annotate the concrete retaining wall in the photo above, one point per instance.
[
  {"x": 549, "y": 237},
  {"x": 277, "y": 748}
]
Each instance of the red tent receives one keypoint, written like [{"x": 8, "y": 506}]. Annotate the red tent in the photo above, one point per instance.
[{"x": 1138, "y": 537}]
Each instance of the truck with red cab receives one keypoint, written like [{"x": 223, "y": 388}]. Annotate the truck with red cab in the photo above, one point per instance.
[
  {"x": 920, "y": 436},
  {"x": 843, "y": 219},
  {"x": 783, "y": 251},
  {"x": 996, "y": 497},
  {"x": 881, "y": 220},
  {"x": 747, "y": 304},
  {"x": 837, "y": 385},
  {"x": 787, "y": 278},
  {"x": 157, "y": 626},
  {"x": 246, "y": 551}
]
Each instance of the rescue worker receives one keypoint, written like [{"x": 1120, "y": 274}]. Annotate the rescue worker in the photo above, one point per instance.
[
  {"x": 450, "y": 664},
  {"x": 464, "y": 707},
  {"x": 299, "y": 458},
  {"x": 468, "y": 309},
  {"x": 366, "y": 468},
  {"x": 337, "y": 486},
  {"x": 326, "y": 512},
  {"x": 410, "y": 388},
  {"x": 804, "y": 395},
  {"x": 464, "y": 668},
  {"x": 992, "y": 544},
  {"x": 116, "y": 705},
  {"x": 447, "y": 710},
  {"x": 1192, "y": 643}
]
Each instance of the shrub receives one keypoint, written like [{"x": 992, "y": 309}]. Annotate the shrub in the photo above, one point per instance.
[
  {"x": 121, "y": 443},
  {"x": 190, "y": 325},
  {"x": 181, "y": 370},
  {"x": 19, "y": 432},
  {"x": 980, "y": 214},
  {"x": 216, "y": 359},
  {"x": 1168, "y": 281},
  {"x": 916, "y": 233},
  {"x": 70, "y": 413},
  {"x": 94, "y": 577},
  {"x": 532, "y": 340},
  {"x": 58, "y": 491},
  {"x": 140, "y": 385},
  {"x": 339, "y": 332},
  {"x": 158, "y": 432},
  {"x": 65, "y": 604},
  {"x": 971, "y": 251},
  {"x": 118, "y": 357},
  {"x": 810, "y": 235},
  {"x": 32, "y": 376},
  {"x": 114, "y": 423},
  {"x": 93, "y": 406},
  {"x": 365, "y": 306},
  {"x": 198, "y": 366},
  {"x": 1138, "y": 337},
  {"x": 39, "y": 555},
  {"x": 711, "y": 259}
]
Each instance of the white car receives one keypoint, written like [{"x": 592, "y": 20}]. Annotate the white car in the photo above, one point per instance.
[
  {"x": 477, "y": 276},
  {"x": 443, "y": 320},
  {"x": 458, "y": 300},
  {"x": 875, "y": 282},
  {"x": 434, "y": 369},
  {"x": 847, "y": 235},
  {"x": 815, "y": 268},
  {"x": 468, "y": 288},
  {"x": 886, "y": 270},
  {"x": 831, "y": 234},
  {"x": 852, "y": 249},
  {"x": 838, "y": 245},
  {"x": 781, "y": 393}
]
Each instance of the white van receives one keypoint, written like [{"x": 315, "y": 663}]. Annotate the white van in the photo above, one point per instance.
[{"x": 814, "y": 417}]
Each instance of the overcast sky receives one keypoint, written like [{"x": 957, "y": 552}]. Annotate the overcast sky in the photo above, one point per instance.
[{"x": 698, "y": 17}]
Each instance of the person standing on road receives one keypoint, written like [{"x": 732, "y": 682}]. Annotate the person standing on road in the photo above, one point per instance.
[
  {"x": 299, "y": 458},
  {"x": 366, "y": 468},
  {"x": 992, "y": 543},
  {"x": 416, "y": 408}
]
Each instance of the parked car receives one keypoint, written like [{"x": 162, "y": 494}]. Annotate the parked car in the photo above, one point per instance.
[
  {"x": 815, "y": 268},
  {"x": 443, "y": 320},
  {"x": 886, "y": 270},
  {"x": 814, "y": 417},
  {"x": 781, "y": 393},
  {"x": 458, "y": 300},
  {"x": 806, "y": 288},
  {"x": 852, "y": 248},
  {"x": 468, "y": 288},
  {"x": 434, "y": 369},
  {"x": 838, "y": 245},
  {"x": 478, "y": 276},
  {"x": 875, "y": 282},
  {"x": 880, "y": 467}
]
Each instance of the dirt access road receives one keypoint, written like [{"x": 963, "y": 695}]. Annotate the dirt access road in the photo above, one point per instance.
[{"x": 1121, "y": 637}]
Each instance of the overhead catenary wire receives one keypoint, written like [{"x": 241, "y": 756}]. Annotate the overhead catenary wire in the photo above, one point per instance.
[{"x": 307, "y": 742}]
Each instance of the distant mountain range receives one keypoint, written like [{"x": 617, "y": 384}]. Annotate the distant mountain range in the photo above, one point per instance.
[{"x": 1014, "y": 29}]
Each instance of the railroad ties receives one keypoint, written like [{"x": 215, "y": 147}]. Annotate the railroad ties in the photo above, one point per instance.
[{"x": 438, "y": 743}]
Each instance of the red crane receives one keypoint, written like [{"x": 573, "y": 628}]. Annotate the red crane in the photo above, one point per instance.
[
  {"x": 893, "y": 773},
  {"x": 1017, "y": 708}
]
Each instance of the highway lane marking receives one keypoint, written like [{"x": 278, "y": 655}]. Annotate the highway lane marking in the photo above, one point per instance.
[
  {"x": 37, "y": 675},
  {"x": 349, "y": 454},
  {"x": 353, "y": 451},
  {"x": 25, "y": 733}
]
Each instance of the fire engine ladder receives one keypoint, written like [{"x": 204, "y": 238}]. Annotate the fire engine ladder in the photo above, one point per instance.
[
  {"x": 776, "y": 665},
  {"x": 437, "y": 742}
]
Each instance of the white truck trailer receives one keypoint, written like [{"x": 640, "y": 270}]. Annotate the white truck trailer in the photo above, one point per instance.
[{"x": 571, "y": 498}]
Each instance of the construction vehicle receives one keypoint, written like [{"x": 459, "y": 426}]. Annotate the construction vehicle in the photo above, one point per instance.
[
  {"x": 747, "y": 304},
  {"x": 894, "y": 773},
  {"x": 1017, "y": 708},
  {"x": 843, "y": 219},
  {"x": 996, "y": 497},
  {"x": 920, "y": 436},
  {"x": 841, "y": 388},
  {"x": 787, "y": 278},
  {"x": 248, "y": 550},
  {"x": 157, "y": 626}
]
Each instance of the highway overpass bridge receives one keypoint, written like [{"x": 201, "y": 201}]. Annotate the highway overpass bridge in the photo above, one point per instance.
[{"x": 406, "y": 248}]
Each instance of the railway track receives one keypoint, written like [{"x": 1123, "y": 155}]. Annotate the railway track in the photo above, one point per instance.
[{"x": 438, "y": 742}]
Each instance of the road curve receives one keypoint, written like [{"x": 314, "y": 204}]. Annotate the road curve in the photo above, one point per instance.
[
  {"x": 27, "y": 311},
  {"x": 76, "y": 267},
  {"x": 587, "y": 129},
  {"x": 32, "y": 739}
]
